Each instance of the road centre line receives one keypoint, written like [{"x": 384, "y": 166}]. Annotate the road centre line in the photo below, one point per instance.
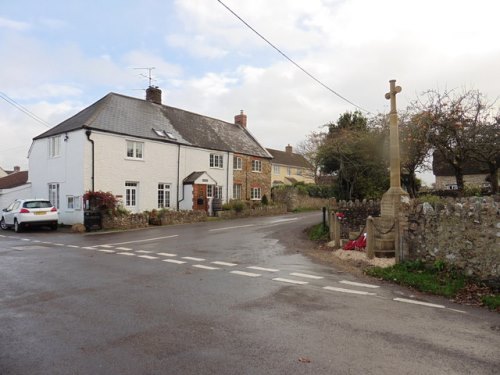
[
  {"x": 147, "y": 257},
  {"x": 283, "y": 220},
  {"x": 224, "y": 264},
  {"x": 195, "y": 259},
  {"x": 124, "y": 248},
  {"x": 144, "y": 251},
  {"x": 89, "y": 248},
  {"x": 405, "y": 300},
  {"x": 25, "y": 239},
  {"x": 173, "y": 261},
  {"x": 106, "y": 251},
  {"x": 125, "y": 253},
  {"x": 167, "y": 254},
  {"x": 290, "y": 281},
  {"x": 358, "y": 284},
  {"x": 148, "y": 239},
  {"x": 205, "y": 267},
  {"x": 73, "y": 246},
  {"x": 263, "y": 269},
  {"x": 242, "y": 273},
  {"x": 236, "y": 227},
  {"x": 350, "y": 291},
  {"x": 306, "y": 276},
  {"x": 105, "y": 246}
]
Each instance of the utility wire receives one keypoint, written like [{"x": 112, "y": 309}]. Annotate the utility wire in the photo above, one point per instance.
[
  {"x": 23, "y": 109},
  {"x": 292, "y": 61}
]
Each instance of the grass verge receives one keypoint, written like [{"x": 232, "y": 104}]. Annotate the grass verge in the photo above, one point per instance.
[
  {"x": 492, "y": 302},
  {"x": 318, "y": 232}
]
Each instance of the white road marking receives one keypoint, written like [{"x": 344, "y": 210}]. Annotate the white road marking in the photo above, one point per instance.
[
  {"x": 350, "y": 291},
  {"x": 59, "y": 244},
  {"x": 193, "y": 258},
  {"x": 167, "y": 254},
  {"x": 74, "y": 246},
  {"x": 459, "y": 311},
  {"x": 147, "y": 257},
  {"x": 129, "y": 254},
  {"x": 89, "y": 248},
  {"x": 283, "y": 220},
  {"x": 263, "y": 269},
  {"x": 242, "y": 273},
  {"x": 173, "y": 261},
  {"x": 148, "y": 239},
  {"x": 226, "y": 228},
  {"x": 1, "y": 235},
  {"x": 224, "y": 264},
  {"x": 405, "y": 300},
  {"x": 124, "y": 248},
  {"x": 106, "y": 246},
  {"x": 290, "y": 281},
  {"x": 205, "y": 267},
  {"x": 33, "y": 240},
  {"x": 105, "y": 251},
  {"x": 306, "y": 276},
  {"x": 25, "y": 239},
  {"x": 359, "y": 284},
  {"x": 144, "y": 251}
]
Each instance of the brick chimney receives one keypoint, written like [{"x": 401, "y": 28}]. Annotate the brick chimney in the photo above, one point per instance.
[
  {"x": 241, "y": 119},
  {"x": 17, "y": 168},
  {"x": 153, "y": 94},
  {"x": 288, "y": 149}
]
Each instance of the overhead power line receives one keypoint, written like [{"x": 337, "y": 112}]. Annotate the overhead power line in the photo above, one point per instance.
[
  {"x": 24, "y": 109},
  {"x": 292, "y": 61}
]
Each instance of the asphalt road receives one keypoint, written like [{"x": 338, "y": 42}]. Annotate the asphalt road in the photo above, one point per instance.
[{"x": 226, "y": 297}]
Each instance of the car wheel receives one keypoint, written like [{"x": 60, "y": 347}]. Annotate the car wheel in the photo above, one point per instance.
[
  {"x": 3, "y": 224},
  {"x": 53, "y": 227},
  {"x": 17, "y": 226}
]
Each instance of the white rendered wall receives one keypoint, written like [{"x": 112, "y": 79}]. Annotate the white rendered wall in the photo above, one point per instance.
[
  {"x": 65, "y": 169},
  {"x": 9, "y": 195}
]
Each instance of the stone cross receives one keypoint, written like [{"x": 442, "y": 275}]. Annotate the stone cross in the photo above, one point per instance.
[{"x": 394, "y": 135}]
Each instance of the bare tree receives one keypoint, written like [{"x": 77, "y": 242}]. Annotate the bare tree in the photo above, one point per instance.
[{"x": 309, "y": 147}]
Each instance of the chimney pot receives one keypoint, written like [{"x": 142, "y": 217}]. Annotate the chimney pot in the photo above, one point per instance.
[
  {"x": 153, "y": 94},
  {"x": 288, "y": 149},
  {"x": 17, "y": 168},
  {"x": 241, "y": 119}
]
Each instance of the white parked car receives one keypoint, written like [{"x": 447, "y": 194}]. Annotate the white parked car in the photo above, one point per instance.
[{"x": 24, "y": 213}]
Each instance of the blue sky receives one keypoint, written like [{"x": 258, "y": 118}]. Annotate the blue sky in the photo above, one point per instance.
[{"x": 59, "y": 57}]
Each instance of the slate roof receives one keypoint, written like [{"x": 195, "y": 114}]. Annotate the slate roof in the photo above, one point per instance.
[
  {"x": 441, "y": 168},
  {"x": 14, "y": 180},
  {"x": 291, "y": 159},
  {"x": 191, "y": 179},
  {"x": 120, "y": 114}
]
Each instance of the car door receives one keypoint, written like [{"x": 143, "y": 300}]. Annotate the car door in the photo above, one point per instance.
[{"x": 9, "y": 214}]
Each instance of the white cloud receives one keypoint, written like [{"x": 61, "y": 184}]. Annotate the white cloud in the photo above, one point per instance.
[
  {"x": 196, "y": 45},
  {"x": 6, "y": 23}
]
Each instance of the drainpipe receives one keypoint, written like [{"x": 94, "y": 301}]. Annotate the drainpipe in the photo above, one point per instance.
[
  {"x": 88, "y": 133},
  {"x": 178, "y": 176},
  {"x": 227, "y": 178}
]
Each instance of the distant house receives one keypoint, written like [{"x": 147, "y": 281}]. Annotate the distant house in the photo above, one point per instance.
[
  {"x": 148, "y": 155},
  {"x": 475, "y": 174},
  {"x": 289, "y": 167},
  {"x": 14, "y": 186}
]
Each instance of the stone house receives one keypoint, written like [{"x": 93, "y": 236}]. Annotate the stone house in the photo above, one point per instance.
[
  {"x": 289, "y": 168},
  {"x": 149, "y": 155},
  {"x": 475, "y": 174}
]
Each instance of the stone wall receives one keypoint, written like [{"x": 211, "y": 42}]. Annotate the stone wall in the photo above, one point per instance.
[
  {"x": 131, "y": 221},
  {"x": 257, "y": 211},
  {"x": 249, "y": 179},
  {"x": 182, "y": 217},
  {"x": 462, "y": 232},
  {"x": 293, "y": 201}
]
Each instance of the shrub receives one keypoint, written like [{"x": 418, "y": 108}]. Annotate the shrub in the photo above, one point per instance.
[
  {"x": 100, "y": 200},
  {"x": 264, "y": 200}
]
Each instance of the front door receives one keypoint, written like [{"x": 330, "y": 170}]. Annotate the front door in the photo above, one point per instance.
[{"x": 200, "y": 197}]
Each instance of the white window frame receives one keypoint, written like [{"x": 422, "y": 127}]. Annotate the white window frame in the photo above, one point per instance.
[
  {"x": 55, "y": 146},
  {"x": 218, "y": 191},
  {"x": 210, "y": 191},
  {"x": 131, "y": 193},
  {"x": 276, "y": 169},
  {"x": 54, "y": 194},
  {"x": 288, "y": 171},
  {"x": 216, "y": 161},
  {"x": 70, "y": 202},
  {"x": 237, "y": 189},
  {"x": 256, "y": 165},
  {"x": 164, "y": 192},
  {"x": 137, "y": 149},
  {"x": 237, "y": 163},
  {"x": 255, "y": 193}
]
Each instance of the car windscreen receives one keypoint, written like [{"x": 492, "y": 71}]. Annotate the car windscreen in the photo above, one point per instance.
[{"x": 37, "y": 204}]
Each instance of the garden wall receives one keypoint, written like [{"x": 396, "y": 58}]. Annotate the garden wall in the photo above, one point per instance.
[
  {"x": 464, "y": 232},
  {"x": 294, "y": 201},
  {"x": 257, "y": 211},
  {"x": 354, "y": 214},
  {"x": 131, "y": 221}
]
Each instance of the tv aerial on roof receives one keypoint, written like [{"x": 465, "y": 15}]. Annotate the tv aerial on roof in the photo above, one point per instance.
[{"x": 149, "y": 76}]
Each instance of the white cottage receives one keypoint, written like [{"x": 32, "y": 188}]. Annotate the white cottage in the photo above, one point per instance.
[{"x": 147, "y": 154}]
